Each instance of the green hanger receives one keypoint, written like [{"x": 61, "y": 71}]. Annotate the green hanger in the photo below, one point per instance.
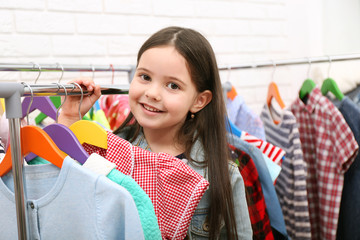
[
  {"x": 329, "y": 85},
  {"x": 306, "y": 88}
]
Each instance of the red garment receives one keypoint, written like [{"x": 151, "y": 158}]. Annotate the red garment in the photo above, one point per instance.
[
  {"x": 173, "y": 187},
  {"x": 329, "y": 148},
  {"x": 259, "y": 218}
]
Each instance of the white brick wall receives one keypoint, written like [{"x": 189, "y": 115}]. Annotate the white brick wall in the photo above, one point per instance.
[{"x": 112, "y": 31}]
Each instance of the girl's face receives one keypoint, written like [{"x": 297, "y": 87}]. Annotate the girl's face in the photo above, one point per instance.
[{"x": 162, "y": 93}]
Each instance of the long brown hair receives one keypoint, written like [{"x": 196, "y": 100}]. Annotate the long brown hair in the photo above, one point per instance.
[{"x": 208, "y": 126}]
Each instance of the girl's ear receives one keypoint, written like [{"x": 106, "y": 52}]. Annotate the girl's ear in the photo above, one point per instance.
[{"x": 201, "y": 101}]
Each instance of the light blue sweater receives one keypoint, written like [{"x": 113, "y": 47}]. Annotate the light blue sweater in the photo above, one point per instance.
[{"x": 70, "y": 203}]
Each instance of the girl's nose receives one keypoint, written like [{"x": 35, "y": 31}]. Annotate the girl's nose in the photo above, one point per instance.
[{"x": 153, "y": 92}]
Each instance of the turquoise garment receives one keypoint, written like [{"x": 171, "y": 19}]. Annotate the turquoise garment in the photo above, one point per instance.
[{"x": 142, "y": 201}]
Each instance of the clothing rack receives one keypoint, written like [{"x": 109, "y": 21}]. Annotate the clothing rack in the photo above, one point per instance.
[
  {"x": 294, "y": 61},
  {"x": 12, "y": 92}
]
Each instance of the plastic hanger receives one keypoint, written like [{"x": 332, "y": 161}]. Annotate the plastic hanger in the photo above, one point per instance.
[
  {"x": 65, "y": 139},
  {"x": 329, "y": 85},
  {"x": 37, "y": 141},
  {"x": 232, "y": 128},
  {"x": 308, "y": 85},
  {"x": 43, "y": 104},
  {"x": 2, "y": 106},
  {"x": 87, "y": 131},
  {"x": 273, "y": 91}
]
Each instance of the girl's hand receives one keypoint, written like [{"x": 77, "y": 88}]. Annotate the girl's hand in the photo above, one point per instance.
[{"x": 70, "y": 109}]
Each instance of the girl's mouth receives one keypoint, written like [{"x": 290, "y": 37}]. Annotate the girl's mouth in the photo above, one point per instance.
[{"x": 151, "y": 109}]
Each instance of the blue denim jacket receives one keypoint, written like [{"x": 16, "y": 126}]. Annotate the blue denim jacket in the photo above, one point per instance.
[{"x": 199, "y": 227}]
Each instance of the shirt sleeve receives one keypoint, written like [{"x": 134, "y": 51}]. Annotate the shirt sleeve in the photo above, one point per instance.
[
  {"x": 346, "y": 146},
  {"x": 243, "y": 223}
]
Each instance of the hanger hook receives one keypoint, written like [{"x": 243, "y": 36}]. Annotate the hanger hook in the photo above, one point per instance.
[
  {"x": 329, "y": 65},
  {"x": 308, "y": 72},
  {"x": 81, "y": 99},
  {"x": 274, "y": 69},
  {"x": 62, "y": 71},
  {"x": 113, "y": 73},
  {"x": 229, "y": 72},
  {"x": 93, "y": 71},
  {"x": 39, "y": 71},
  {"x": 31, "y": 101},
  {"x": 57, "y": 112}
]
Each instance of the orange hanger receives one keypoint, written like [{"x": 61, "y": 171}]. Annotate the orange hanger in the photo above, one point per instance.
[
  {"x": 37, "y": 141},
  {"x": 273, "y": 92},
  {"x": 232, "y": 93}
]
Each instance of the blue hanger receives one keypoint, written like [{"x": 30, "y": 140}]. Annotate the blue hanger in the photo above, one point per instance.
[{"x": 232, "y": 128}]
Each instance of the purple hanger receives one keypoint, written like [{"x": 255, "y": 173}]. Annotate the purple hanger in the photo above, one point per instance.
[
  {"x": 44, "y": 104},
  {"x": 66, "y": 141}
]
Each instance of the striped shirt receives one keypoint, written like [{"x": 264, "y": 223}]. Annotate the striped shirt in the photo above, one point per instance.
[
  {"x": 273, "y": 152},
  {"x": 291, "y": 183}
]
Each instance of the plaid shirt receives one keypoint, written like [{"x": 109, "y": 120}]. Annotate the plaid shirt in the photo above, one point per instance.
[
  {"x": 174, "y": 188},
  {"x": 255, "y": 199},
  {"x": 329, "y": 148}
]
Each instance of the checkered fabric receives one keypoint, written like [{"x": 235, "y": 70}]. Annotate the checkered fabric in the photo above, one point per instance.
[
  {"x": 329, "y": 148},
  {"x": 259, "y": 218},
  {"x": 174, "y": 188},
  {"x": 273, "y": 152}
]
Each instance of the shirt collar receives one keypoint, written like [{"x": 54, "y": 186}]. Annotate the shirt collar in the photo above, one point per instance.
[{"x": 313, "y": 98}]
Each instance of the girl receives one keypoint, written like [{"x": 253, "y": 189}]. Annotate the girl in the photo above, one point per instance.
[{"x": 177, "y": 107}]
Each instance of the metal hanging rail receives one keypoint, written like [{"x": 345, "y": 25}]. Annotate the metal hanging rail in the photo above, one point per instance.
[
  {"x": 58, "y": 89},
  {"x": 57, "y": 67},
  {"x": 63, "y": 67},
  {"x": 294, "y": 61}
]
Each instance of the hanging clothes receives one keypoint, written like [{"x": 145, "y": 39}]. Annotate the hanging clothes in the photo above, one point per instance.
[
  {"x": 349, "y": 216},
  {"x": 161, "y": 176},
  {"x": 244, "y": 117},
  {"x": 259, "y": 217},
  {"x": 101, "y": 166},
  {"x": 291, "y": 183},
  {"x": 69, "y": 203},
  {"x": 143, "y": 203},
  {"x": 329, "y": 148},
  {"x": 272, "y": 202}
]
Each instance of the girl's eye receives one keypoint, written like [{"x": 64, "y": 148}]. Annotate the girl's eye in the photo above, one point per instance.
[
  {"x": 145, "y": 77},
  {"x": 173, "y": 86}
]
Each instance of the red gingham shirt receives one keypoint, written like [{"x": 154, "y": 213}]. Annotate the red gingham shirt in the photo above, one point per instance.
[
  {"x": 329, "y": 148},
  {"x": 174, "y": 188},
  {"x": 259, "y": 218}
]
